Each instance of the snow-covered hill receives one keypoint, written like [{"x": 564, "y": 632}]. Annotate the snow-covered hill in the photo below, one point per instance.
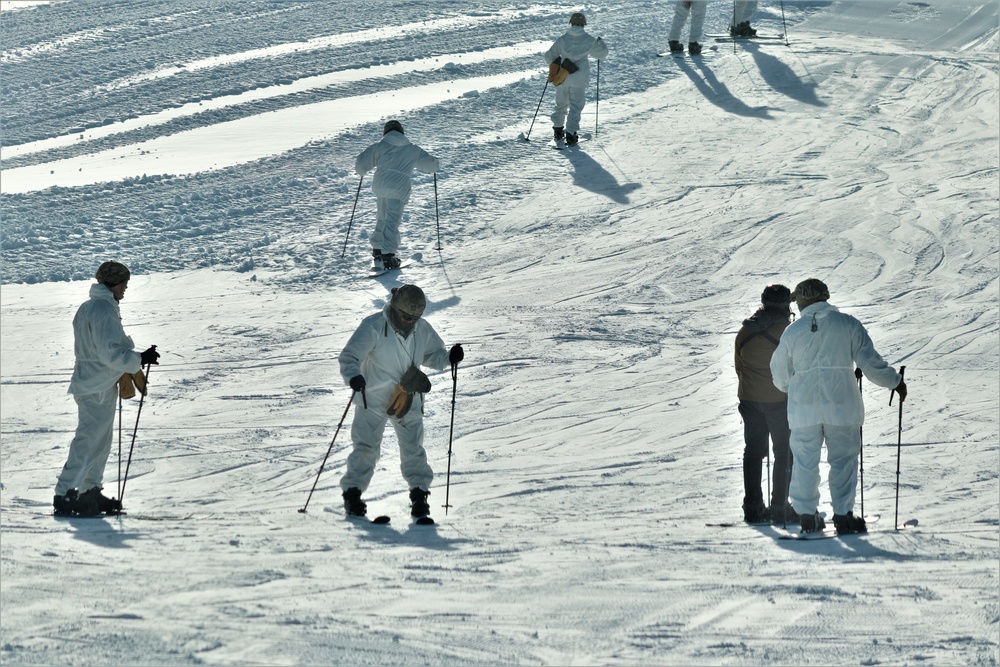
[{"x": 210, "y": 145}]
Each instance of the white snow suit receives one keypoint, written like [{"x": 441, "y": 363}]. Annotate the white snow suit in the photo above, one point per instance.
[
  {"x": 571, "y": 95},
  {"x": 103, "y": 353},
  {"x": 814, "y": 364},
  {"x": 394, "y": 158},
  {"x": 696, "y": 9},
  {"x": 381, "y": 355}
]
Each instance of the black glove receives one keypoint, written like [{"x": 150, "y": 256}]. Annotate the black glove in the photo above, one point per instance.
[
  {"x": 901, "y": 390},
  {"x": 357, "y": 383},
  {"x": 150, "y": 356},
  {"x": 456, "y": 355}
]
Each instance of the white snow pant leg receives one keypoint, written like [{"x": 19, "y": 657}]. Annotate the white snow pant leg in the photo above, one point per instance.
[
  {"x": 562, "y": 106},
  {"x": 569, "y": 107},
  {"x": 743, "y": 10},
  {"x": 366, "y": 436},
  {"x": 91, "y": 445},
  {"x": 699, "y": 8},
  {"x": 412, "y": 457},
  {"x": 681, "y": 12},
  {"x": 388, "y": 216},
  {"x": 843, "y": 444},
  {"x": 803, "y": 491}
]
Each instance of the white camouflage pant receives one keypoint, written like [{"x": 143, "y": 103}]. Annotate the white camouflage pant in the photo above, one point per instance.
[
  {"x": 697, "y": 11},
  {"x": 89, "y": 450},
  {"x": 571, "y": 101},
  {"x": 843, "y": 444},
  {"x": 366, "y": 434},
  {"x": 388, "y": 216}
]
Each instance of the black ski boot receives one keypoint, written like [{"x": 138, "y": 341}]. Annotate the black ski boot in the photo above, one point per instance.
[
  {"x": 675, "y": 46},
  {"x": 418, "y": 502},
  {"x": 353, "y": 505},
  {"x": 572, "y": 138},
  {"x": 783, "y": 514},
  {"x": 72, "y": 504},
  {"x": 694, "y": 49},
  {"x": 811, "y": 523},
  {"x": 105, "y": 505},
  {"x": 745, "y": 30},
  {"x": 848, "y": 524},
  {"x": 559, "y": 133},
  {"x": 755, "y": 512},
  {"x": 389, "y": 261}
]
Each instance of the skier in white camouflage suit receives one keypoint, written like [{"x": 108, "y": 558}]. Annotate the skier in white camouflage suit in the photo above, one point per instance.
[
  {"x": 393, "y": 158},
  {"x": 381, "y": 364},
  {"x": 696, "y": 9},
  {"x": 103, "y": 354},
  {"x": 573, "y": 51},
  {"x": 814, "y": 364}
]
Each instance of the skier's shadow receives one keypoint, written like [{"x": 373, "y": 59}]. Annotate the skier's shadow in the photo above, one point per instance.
[
  {"x": 417, "y": 536},
  {"x": 590, "y": 175},
  {"x": 781, "y": 78},
  {"x": 100, "y": 532},
  {"x": 716, "y": 92}
]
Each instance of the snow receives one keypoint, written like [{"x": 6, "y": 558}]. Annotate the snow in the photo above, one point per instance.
[{"x": 597, "y": 291}]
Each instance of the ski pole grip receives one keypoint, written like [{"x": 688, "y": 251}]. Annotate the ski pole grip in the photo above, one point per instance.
[{"x": 902, "y": 371}]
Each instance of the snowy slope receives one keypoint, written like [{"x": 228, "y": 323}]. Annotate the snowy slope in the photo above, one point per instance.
[{"x": 597, "y": 293}]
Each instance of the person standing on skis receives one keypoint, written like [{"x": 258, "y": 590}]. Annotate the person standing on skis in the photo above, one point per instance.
[
  {"x": 696, "y": 9},
  {"x": 763, "y": 407},
  {"x": 571, "y": 54},
  {"x": 381, "y": 363},
  {"x": 103, "y": 354},
  {"x": 814, "y": 364},
  {"x": 393, "y": 158}
]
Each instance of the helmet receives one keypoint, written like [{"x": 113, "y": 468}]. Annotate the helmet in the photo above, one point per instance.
[
  {"x": 811, "y": 289},
  {"x": 112, "y": 273},
  {"x": 392, "y": 125},
  {"x": 409, "y": 300},
  {"x": 776, "y": 295},
  {"x": 578, "y": 19}
]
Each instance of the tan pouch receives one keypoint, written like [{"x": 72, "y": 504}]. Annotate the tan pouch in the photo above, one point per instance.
[{"x": 128, "y": 383}]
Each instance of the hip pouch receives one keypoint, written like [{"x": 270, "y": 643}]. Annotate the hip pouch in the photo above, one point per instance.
[{"x": 129, "y": 382}]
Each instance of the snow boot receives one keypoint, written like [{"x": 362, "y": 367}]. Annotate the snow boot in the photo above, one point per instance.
[
  {"x": 694, "y": 49},
  {"x": 105, "y": 505},
  {"x": 745, "y": 30},
  {"x": 71, "y": 504},
  {"x": 418, "y": 502},
  {"x": 755, "y": 512},
  {"x": 811, "y": 523},
  {"x": 559, "y": 133},
  {"x": 848, "y": 524},
  {"x": 675, "y": 46},
  {"x": 353, "y": 505},
  {"x": 390, "y": 262},
  {"x": 572, "y": 138},
  {"x": 786, "y": 514}
]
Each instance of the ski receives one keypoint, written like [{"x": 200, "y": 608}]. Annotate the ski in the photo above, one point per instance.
[
  {"x": 740, "y": 524},
  {"x": 378, "y": 273},
  {"x": 824, "y": 534},
  {"x": 136, "y": 517},
  {"x": 727, "y": 36}
]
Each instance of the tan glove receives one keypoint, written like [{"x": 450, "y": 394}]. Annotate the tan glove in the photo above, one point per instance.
[
  {"x": 128, "y": 383},
  {"x": 414, "y": 381},
  {"x": 560, "y": 76}
]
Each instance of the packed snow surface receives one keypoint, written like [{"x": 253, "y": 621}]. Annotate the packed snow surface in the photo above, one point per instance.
[{"x": 210, "y": 145}]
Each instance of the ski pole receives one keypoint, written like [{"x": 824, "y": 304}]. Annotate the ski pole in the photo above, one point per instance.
[
  {"x": 597, "y": 107},
  {"x": 437, "y": 212},
  {"x": 784, "y": 29},
  {"x": 329, "y": 449},
  {"x": 128, "y": 464},
  {"x": 544, "y": 88},
  {"x": 861, "y": 452},
  {"x": 451, "y": 431},
  {"x": 768, "y": 496},
  {"x": 119, "y": 445},
  {"x": 351, "y": 223},
  {"x": 899, "y": 443}
]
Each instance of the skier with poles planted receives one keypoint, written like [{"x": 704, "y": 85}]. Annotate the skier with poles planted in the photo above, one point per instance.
[
  {"x": 814, "y": 364},
  {"x": 104, "y": 357},
  {"x": 569, "y": 69},
  {"x": 393, "y": 158},
  {"x": 763, "y": 407},
  {"x": 381, "y": 363}
]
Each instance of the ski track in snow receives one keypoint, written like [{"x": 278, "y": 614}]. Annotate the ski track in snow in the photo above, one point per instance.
[{"x": 596, "y": 291}]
